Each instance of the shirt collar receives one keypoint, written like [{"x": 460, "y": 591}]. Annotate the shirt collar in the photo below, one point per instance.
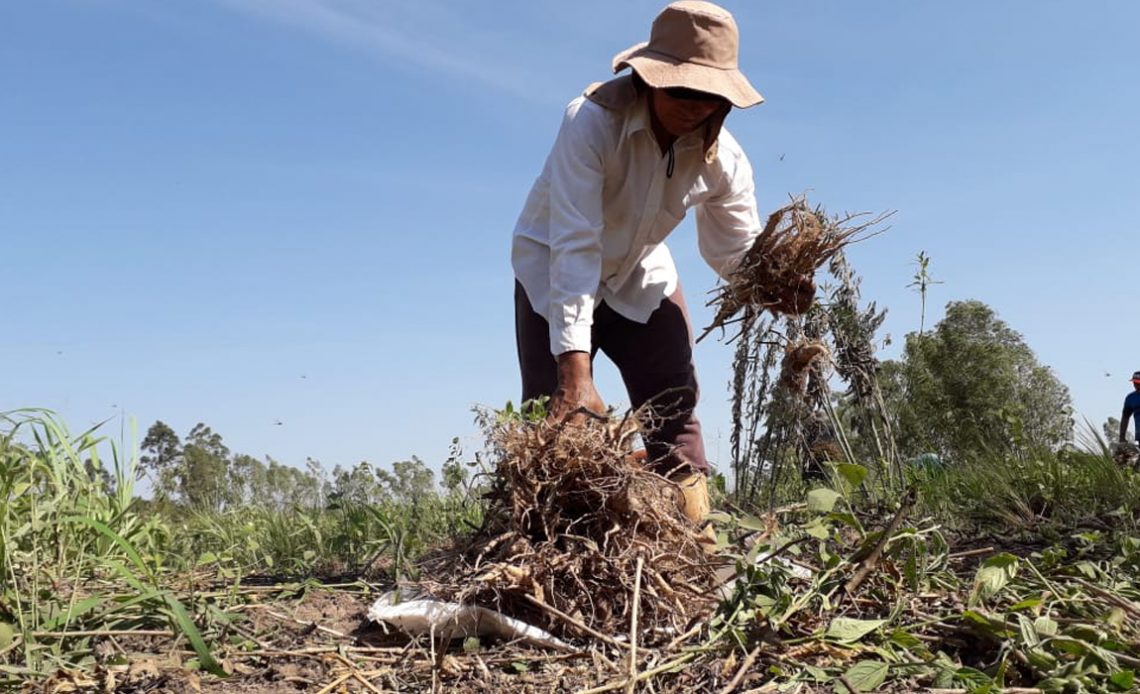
[
  {"x": 621, "y": 93},
  {"x": 638, "y": 118}
]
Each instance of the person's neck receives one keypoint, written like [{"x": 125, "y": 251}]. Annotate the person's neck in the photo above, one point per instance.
[{"x": 664, "y": 138}]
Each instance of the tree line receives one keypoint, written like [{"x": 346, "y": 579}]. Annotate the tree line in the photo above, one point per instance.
[{"x": 200, "y": 473}]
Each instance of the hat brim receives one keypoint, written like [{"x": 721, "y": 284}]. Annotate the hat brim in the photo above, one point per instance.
[{"x": 663, "y": 71}]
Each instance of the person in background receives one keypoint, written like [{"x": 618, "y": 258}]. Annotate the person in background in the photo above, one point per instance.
[{"x": 1131, "y": 409}]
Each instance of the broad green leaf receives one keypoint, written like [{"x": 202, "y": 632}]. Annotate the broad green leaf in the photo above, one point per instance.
[
  {"x": 753, "y": 523},
  {"x": 817, "y": 673},
  {"x": 1053, "y": 685},
  {"x": 7, "y": 634},
  {"x": 845, "y": 518},
  {"x": 1123, "y": 680},
  {"x": 994, "y": 627},
  {"x": 854, "y": 474},
  {"x": 1003, "y": 560},
  {"x": 1045, "y": 627},
  {"x": 1041, "y": 659},
  {"x": 1071, "y": 646},
  {"x": 906, "y": 639},
  {"x": 992, "y": 576},
  {"x": 1085, "y": 632},
  {"x": 1027, "y": 604},
  {"x": 817, "y": 530},
  {"x": 822, "y": 500},
  {"x": 847, "y": 630},
  {"x": 1028, "y": 632},
  {"x": 867, "y": 675},
  {"x": 1087, "y": 568},
  {"x": 971, "y": 678}
]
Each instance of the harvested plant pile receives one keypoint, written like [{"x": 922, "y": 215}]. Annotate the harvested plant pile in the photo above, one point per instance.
[{"x": 579, "y": 537}]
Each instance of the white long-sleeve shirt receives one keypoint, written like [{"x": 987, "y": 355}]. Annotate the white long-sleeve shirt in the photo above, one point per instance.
[{"x": 593, "y": 226}]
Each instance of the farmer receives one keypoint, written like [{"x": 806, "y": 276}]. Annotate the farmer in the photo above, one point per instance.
[
  {"x": 1131, "y": 409},
  {"x": 592, "y": 272}
]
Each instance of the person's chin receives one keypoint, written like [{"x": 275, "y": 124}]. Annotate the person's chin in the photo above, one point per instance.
[{"x": 684, "y": 129}]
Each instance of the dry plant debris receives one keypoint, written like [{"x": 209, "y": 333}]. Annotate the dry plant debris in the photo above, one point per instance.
[
  {"x": 798, "y": 359},
  {"x": 795, "y": 242},
  {"x": 580, "y": 538}
]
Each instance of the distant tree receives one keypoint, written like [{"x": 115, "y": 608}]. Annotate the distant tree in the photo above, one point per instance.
[
  {"x": 161, "y": 458},
  {"x": 358, "y": 485},
  {"x": 97, "y": 473},
  {"x": 409, "y": 481},
  {"x": 972, "y": 384},
  {"x": 247, "y": 483},
  {"x": 316, "y": 483},
  {"x": 205, "y": 464}
]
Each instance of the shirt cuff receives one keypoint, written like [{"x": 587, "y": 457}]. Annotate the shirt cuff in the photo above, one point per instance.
[{"x": 570, "y": 338}]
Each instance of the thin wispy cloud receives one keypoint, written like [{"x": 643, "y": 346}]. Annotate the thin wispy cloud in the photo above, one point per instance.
[{"x": 419, "y": 35}]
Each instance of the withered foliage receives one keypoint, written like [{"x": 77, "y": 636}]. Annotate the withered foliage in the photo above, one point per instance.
[
  {"x": 786, "y": 419},
  {"x": 571, "y": 515},
  {"x": 798, "y": 359},
  {"x": 795, "y": 242}
]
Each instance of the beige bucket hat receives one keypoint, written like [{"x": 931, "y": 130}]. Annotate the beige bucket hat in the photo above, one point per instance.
[{"x": 693, "y": 44}]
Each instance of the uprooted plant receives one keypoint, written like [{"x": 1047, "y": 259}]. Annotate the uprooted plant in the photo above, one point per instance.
[
  {"x": 795, "y": 242},
  {"x": 580, "y": 536}
]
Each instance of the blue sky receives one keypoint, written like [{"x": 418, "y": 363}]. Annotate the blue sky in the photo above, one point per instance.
[{"x": 249, "y": 211}]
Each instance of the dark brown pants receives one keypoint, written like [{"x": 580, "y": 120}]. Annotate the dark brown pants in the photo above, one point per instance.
[{"x": 655, "y": 360}]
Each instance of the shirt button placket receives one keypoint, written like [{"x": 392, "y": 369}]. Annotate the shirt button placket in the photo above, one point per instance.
[{"x": 648, "y": 215}]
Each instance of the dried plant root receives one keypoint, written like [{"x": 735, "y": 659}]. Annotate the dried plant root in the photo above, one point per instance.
[
  {"x": 798, "y": 360},
  {"x": 581, "y": 512},
  {"x": 795, "y": 242}
]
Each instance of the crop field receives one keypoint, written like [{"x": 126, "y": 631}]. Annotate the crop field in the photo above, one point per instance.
[{"x": 1016, "y": 574}]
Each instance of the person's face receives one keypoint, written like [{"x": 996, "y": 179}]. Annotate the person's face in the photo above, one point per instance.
[
  {"x": 1136, "y": 385},
  {"x": 681, "y": 111}
]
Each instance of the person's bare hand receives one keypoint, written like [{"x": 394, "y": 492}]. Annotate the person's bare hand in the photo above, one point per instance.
[{"x": 575, "y": 387}]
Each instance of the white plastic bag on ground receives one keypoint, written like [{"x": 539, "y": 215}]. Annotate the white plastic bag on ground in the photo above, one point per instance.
[{"x": 418, "y": 616}]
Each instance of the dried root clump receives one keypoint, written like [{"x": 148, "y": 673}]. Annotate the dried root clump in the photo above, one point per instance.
[
  {"x": 798, "y": 359},
  {"x": 795, "y": 242},
  {"x": 572, "y": 515}
]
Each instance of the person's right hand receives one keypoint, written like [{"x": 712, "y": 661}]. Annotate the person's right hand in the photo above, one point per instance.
[{"x": 575, "y": 387}]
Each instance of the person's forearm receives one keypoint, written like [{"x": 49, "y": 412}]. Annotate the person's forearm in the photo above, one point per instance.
[
  {"x": 1124, "y": 424},
  {"x": 573, "y": 365},
  {"x": 575, "y": 387}
]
